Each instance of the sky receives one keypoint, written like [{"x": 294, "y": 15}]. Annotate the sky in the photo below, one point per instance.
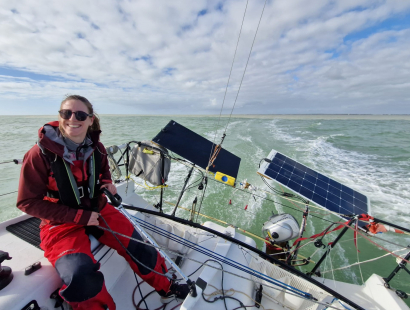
[{"x": 175, "y": 57}]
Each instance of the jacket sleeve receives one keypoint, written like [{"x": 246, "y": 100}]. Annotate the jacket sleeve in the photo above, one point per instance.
[
  {"x": 33, "y": 188},
  {"x": 105, "y": 174}
]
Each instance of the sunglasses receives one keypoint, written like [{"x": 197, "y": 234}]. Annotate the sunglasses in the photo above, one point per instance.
[{"x": 79, "y": 115}]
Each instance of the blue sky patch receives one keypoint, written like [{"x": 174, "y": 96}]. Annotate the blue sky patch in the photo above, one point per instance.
[
  {"x": 398, "y": 22},
  {"x": 202, "y": 12},
  {"x": 27, "y": 74},
  {"x": 94, "y": 26},
  {"x": 219, "y": 6},
  {"x": 333, "y": 52},
  {"x": 169, "y": 71}
]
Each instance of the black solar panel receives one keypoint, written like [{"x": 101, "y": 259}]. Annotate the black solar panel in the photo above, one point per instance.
[
  {"x": 314, "y": 186},
  {"x": 196, "y": 149}
]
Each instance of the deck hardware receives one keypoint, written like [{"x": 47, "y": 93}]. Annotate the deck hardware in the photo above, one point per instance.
[
  {"x": 32, "y": 305},
  {"x": 331, "y": 246},
  {"x": 183, "y": 189},
  {"x": 258, "y": 297},
  {"x": 6, "y": 274},
  {"x": 56, "y": 296},
  {"x": 32, "y": 268},
  {"x": 401, "y": 294}
]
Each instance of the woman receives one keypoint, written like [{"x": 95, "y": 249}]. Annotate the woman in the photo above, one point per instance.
[{"x": 61, "y": 181}]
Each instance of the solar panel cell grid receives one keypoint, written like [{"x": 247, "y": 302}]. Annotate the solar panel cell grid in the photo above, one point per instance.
[{"x": 314, "y": 186}]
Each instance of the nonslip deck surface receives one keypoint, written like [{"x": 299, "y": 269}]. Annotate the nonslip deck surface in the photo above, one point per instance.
[{"x": 27, "y": 230}]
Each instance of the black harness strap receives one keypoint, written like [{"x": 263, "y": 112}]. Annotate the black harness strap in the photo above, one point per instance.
[
  {"x": 66, "y": 190},
  {"x": 69, "y": 192}
]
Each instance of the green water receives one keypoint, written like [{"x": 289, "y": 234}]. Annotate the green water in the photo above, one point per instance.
[{"x": 369, "y": 154}]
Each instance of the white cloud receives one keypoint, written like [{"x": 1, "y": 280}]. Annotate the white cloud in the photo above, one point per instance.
[{"x": 165, "y": 57}]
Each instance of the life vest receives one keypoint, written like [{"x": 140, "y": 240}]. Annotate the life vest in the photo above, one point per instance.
[{"x": 69, "y": 191}]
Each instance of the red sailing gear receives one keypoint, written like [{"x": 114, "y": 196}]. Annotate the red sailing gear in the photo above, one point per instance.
[
  {"x": 64, "y": 234},
  {"x": 67, "y": 247}
]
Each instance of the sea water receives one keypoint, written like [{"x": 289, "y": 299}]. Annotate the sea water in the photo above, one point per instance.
[{"x": 370, "y": 154}]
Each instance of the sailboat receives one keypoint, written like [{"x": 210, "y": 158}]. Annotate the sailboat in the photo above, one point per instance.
[{"x": 222, "y": 263}]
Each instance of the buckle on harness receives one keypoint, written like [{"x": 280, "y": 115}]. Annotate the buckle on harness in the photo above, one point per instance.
[{"x": 81, "y": 190}]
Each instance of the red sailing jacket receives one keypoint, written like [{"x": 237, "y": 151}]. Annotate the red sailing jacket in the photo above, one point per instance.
[{"x": 36, "y": 180}]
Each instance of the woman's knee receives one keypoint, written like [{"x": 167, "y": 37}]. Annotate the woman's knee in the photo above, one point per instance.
[{"x": 81, "y": 276}]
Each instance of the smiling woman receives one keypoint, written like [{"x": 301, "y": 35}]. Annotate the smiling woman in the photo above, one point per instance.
[
  {"x": 60, "y": 183},
  {"x": 77, "y": 118}
]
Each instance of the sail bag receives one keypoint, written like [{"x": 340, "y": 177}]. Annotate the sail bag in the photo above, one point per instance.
[{"x": 147, "y": 162}]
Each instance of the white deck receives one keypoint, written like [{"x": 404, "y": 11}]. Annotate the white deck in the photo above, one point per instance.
[{"x": 121, "y": 283}]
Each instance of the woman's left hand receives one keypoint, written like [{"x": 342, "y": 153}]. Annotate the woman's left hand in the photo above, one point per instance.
[{"x": 111, "y": 188}]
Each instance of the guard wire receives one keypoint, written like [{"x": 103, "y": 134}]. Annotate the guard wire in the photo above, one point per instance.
[{"x": 8, "y": 193}]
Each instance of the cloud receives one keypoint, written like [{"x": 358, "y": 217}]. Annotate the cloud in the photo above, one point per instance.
[{"x": 175, "y": 57}]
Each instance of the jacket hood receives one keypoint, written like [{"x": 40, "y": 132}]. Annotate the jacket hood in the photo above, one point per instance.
[{"x": 50, "y": 138}]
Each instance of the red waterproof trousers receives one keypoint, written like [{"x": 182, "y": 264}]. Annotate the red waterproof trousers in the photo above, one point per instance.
[{"x": 67, "y": 247}]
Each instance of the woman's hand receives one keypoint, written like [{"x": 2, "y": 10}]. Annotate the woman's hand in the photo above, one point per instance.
[
  {"x": 111, "y": 188},
  {"x": 93, "y": 221}
]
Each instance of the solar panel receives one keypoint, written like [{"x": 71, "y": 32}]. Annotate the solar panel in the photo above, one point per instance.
[
  {"x": 197, "y": 149},
  {"x": 314, "y": 186}
]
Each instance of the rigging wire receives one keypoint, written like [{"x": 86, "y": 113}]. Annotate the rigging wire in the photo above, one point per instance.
[
  {"x": 229, "y": 78},
  {"x": 283, "y": 197},
  {"x": 249, "y": 56},
  {"x": 281, "y": 204},
  {"x": 366, "y": 261}
]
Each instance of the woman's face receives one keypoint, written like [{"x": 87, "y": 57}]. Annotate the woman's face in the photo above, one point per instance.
[{"x": 74, "y": 129}]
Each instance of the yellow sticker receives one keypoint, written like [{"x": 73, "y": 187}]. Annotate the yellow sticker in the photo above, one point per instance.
[
  {"x": 224, "y": 178},
  {"x": 147, "y": 151}
]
